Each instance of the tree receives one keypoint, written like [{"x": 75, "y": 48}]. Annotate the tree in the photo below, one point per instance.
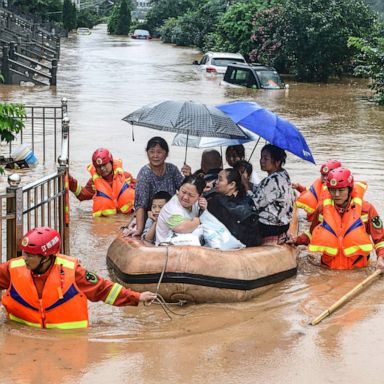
[
  {"x": 312, "y": 35},
  {"x": 69, "y": 15},
  {"x": 11, "y": 122},
  {"x": 87, "y": 18},
  {"x": 234, "y": 29},
  {"x": 165, "y": 9},
  {"x": 120, "y": 21},
  {"x": 370, "y": 63}
]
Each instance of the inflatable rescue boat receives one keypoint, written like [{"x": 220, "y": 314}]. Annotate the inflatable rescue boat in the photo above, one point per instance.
[{"x": 199, "y": 274}]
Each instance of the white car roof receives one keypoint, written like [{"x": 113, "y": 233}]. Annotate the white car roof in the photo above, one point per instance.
[
  {"x": 228, "y": 55},
  {"x": 142, "y": 31}
]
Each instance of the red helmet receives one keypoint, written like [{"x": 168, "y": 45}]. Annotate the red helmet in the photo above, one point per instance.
[
  {"x": 340, "y": 178},
  {"x": 41, "y": 241},
  {"x": 328, "y": 166},
  {"x": 101, "y": 157}
]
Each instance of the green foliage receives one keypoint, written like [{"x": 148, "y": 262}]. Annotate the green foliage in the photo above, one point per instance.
[
  {"x": 163, "y": 10},
  {"x": 140, "y": 25},
  {"x": 69, "y": 15},
  {"x": 11, "y": 120},
  {"x": 193, "y": 27},
  {"x": 87, "y": 18},
  {"x": 46, "y": 9},
  {"x": 120, "y": 21},
  {"x": 311, "y": 35},
  {"x": 370, "y": 63},
  {"x": 235, "y": 27}
]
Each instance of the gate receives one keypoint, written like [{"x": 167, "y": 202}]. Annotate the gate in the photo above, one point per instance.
[{"x": 43, "y": 202}]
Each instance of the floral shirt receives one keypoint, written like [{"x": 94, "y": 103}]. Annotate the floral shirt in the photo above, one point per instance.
[
  {"x": 274, "y": 198},
  {"x": 147, "y": 184}
]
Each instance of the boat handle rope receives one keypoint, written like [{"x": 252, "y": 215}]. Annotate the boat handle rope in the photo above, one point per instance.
[{"x": 160, "y": 299}]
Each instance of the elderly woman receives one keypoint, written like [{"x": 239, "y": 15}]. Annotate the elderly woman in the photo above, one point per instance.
[
  {"x": 234, "y": 208},
  {"x": 180, "y": 214},
  {"x": 273, "y": 196},
  {"x": 156, "y": 176}
]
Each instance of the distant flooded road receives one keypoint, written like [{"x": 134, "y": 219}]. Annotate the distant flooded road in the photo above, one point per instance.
[{"x": 266, "y": 340}]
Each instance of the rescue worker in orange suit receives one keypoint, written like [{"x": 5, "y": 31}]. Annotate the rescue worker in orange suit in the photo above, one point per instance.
[
  {"x": 110, "y": 187},
  {"x": 310, "y": 198},
  {"x": 345, "y": 228},
  {"x": 46, "y": 289}
]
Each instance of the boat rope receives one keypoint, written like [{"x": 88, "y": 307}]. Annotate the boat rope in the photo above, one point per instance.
[{"x": 160, "y": 299}]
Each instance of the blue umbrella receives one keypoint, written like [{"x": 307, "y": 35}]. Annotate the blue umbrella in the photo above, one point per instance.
[{"x": 268, "y": 125}]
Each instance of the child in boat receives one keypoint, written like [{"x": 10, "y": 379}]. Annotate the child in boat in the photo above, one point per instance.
[
  {"x": 245, "y": 169},
  {"x": 158, "y": 201}
]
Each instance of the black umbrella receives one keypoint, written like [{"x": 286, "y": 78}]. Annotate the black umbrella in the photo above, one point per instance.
[{"x": 188, "y": 117}]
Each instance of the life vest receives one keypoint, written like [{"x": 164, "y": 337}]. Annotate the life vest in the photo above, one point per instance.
[
  {"x": 343, "y": 240},
  {"x": 110, "y": 200},
  {"x": 311, "y": 198},
  {"x": 62, "y": 304}
]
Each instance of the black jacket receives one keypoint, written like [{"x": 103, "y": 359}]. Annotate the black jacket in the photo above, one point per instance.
[{"x": 239, "y": 215}]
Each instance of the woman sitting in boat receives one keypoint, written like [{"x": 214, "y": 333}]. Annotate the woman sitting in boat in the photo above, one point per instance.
[
  {"x": 156, "y": 176},
  {"x": 181, "y": 213},
  {"x": 273, "y": 196},
  {"x": 234, "y": 208}
]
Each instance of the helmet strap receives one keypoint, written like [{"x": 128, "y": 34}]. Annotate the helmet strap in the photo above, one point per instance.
[{"x": 41, "y": 268}]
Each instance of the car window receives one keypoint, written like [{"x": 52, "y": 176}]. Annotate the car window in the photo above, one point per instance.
[
  {"x": 223, "y": 62},
  {"x": 240, "y": 77},
  {"x": 269, "y": 79},
  {"x": 142, "y": 32},
  {"x": 204, "y": 59}
]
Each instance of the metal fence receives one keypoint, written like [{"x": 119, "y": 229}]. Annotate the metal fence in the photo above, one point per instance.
[
  {"x": 42, "y": 131},
  {"x": 44, "y": 202}
]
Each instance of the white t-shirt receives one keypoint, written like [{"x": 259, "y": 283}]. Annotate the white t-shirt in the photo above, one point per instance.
[{"x": 171, "y": 215}]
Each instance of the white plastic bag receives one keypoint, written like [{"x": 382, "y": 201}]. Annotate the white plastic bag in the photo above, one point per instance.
[
  {"x": 185, "y": 239},
  {"x": 193, "y": 238},
  {"x": 216, "y": 234}
]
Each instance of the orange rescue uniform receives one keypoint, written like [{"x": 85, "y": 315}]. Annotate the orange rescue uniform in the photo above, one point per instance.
[
  {"x": 58, "y": 297},
  {"x": 111, "y": 194},
  {"x": 345, "y": 236}
]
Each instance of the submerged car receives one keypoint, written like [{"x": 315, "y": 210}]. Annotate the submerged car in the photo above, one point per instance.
[
  {"x": 83, "y": 31},
  {"x": 217, "y": 62},
  {"x": 141, "y": 34},
  {"x": 252, "y": 76}
]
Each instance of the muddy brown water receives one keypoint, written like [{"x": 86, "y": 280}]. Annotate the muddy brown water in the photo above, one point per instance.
[{"x": 266, "y": 340}]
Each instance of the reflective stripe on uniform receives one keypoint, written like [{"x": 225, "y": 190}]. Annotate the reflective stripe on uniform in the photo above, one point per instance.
[
  {"x": 66, "y": 263},
  {"x": 113, "y": 293},
  {"x": 322, "y": 248},
  {"x": 379, "y": 245},
  {"x": 78, "y": 190},
  {"x": 306, "y": 207},
  {"x": 17, "y": 263},
  {"x": 18, "y": 320},
  {"x": 357, "y": 200},
  {"x": 362, "y": 185},
  {"x": 105, "y": 212},
  {"x": 68, "y": 325},
  {"x": 126, "y": 207},
  {"x": 364, "y": 218},
  {"x": 364, "y": 247}
]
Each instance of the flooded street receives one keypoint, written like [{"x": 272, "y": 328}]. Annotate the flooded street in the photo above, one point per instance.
[{"x": 266, "y": 340}]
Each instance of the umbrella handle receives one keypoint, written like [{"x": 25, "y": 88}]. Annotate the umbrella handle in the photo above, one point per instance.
[
  {"x": 253, "y": 150},
  {"x": 186, "y": 149}
]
